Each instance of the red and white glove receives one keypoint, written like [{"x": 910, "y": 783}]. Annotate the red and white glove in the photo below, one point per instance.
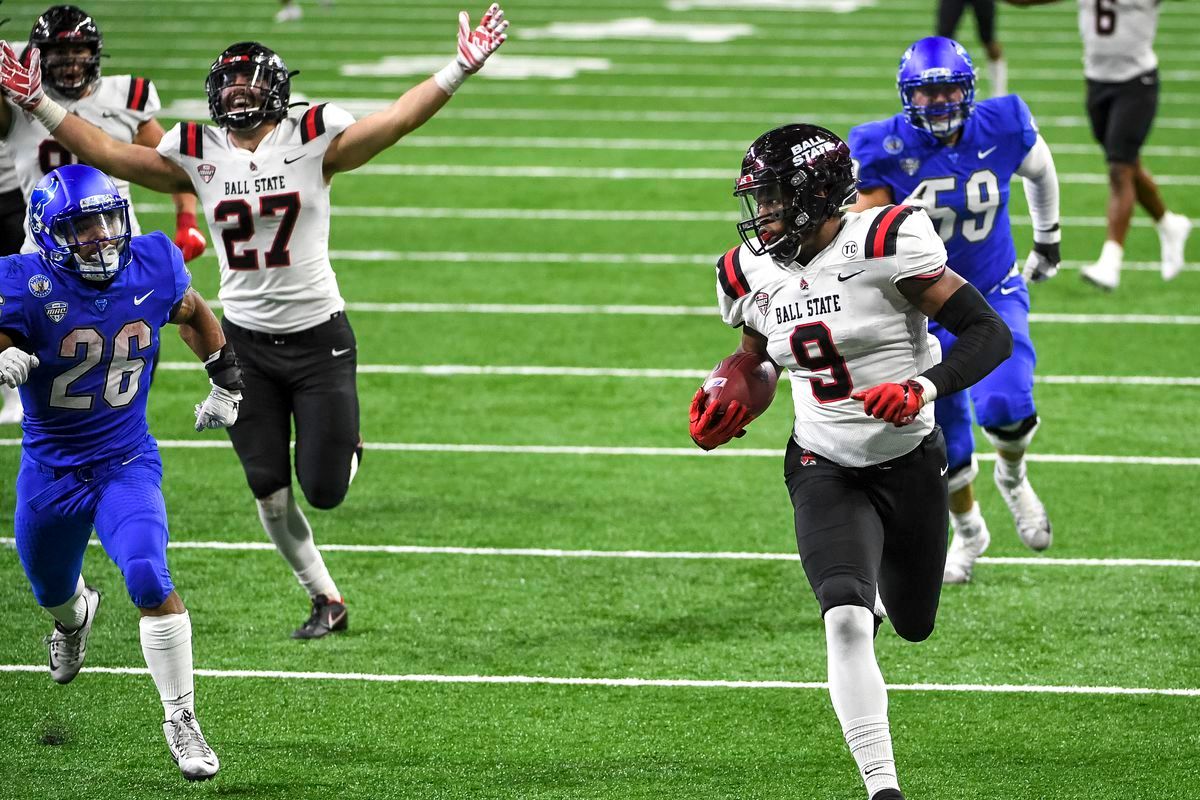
[
  {"x": 22, "y": 84},
  {"x": 708, "y": 430},
  {"x": 897, "y": 403},
  {"x": 188, "y": 236},
  {"x": 475, "y": 46}
]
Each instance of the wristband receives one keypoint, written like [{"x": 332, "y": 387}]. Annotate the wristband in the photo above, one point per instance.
[
  {"x": 185, "y": 219},
  {"x": 49, "y": 113},
  {"x": 450, "y": 77},
  {"x": 1051, "y": 235},
  {"x": 224, "y": 370},
  {"x": 930, "y": 393}
]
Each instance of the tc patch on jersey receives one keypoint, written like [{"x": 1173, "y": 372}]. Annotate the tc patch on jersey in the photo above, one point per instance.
[
  {"x": 56, "y": 310},
  {"x": 39, "y": 285}
]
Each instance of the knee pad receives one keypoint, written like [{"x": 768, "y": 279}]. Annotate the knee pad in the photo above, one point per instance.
[
  {"x": 148, "y": 583},
  {"x": 1017, "y": 436},
  {"x": 963, "y": 476},
  {"x": 275, "y": 505},
  {"x": 323, "y": 496}
]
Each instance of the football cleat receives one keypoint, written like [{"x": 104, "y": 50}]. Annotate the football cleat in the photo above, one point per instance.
[
  {"x": 195, "y": 758},
  {"x": 967, "y": 545},
  {"x": 68, "y": 648},
  {"x": 888, "y": 794},
  {"x": 1173, "y": 230},
  {"x": 328, "y": 616},
  {"x": 1029, "y": 515},
  {"x": 1102, "y": 275}
]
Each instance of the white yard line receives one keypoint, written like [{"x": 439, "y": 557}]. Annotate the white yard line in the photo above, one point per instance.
[
  {"x": 624, "y": 683},
  {"x": 663, "y": 555},
  {"x": 687, "y": 452},
  {"x": 468, "y": 370}
]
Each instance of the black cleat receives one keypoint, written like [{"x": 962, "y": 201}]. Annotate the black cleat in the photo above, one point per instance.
[
  {"x": 887, "y": 794},
  {"x": 328, "y": 616}
]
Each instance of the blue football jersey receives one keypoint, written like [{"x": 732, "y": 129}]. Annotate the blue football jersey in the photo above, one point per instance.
[
  {"x": 86, "y": 401},
  {"x": 967, "y": 185}
]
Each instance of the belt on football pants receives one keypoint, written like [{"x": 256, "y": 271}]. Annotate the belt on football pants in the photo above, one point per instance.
[{"x": 298, "y": 337}]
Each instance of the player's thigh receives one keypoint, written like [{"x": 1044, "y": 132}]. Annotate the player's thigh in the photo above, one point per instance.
[
  {"x": 913, "y": 502},
  {"x": 52, "y": 523},
  {"x": 948, "y": 14},
  {"x": 263, "y": 433},
  {"x": 131, "y": 523},
  {"x": 325, "y": 405},
  {"x": 838, "y": 533},
  {"x": 1099, "y": 102},
  {"x": 985, "y": 20},
  {"x": 1132, "y": 117},
  {"x": 1005, "y": 395}
]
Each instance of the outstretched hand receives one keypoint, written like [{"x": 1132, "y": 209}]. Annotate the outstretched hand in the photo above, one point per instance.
[
  {"x": 21, "y": 83},
  {"x": 476, "y": 46}
]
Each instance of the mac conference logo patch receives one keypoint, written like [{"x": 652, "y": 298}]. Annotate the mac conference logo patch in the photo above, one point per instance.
[{"x": 56, "y": 310}]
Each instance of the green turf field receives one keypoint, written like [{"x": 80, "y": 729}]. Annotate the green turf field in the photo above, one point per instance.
[{"x": 553, "y": 594}]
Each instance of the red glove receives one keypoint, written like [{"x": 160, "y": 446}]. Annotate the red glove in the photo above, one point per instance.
[
  {"x": 21, "y": 83},
  {"x": 475, "y": 46},
  {"x": 709, "y": 430},
  {"x": 188, "y": 237},
  {"x": 897, "y": 403}
]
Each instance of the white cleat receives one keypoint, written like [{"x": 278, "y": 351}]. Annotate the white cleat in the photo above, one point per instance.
[
  {"x": 1102, "y": 275},
  {"x": 965, "y": 548},
  {"x": 1029, "y": 515},
  {"x": 195, "y": 758},
  {"x": 11, "y": 410},
  {"x": 289, "y": 13},
  {"x": 1173, "y": 230},
  {"x": 68, "y": 649}
]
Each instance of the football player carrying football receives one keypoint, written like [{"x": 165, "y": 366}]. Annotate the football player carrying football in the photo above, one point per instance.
[
  {"x": 263, "y": 178},
  {"x": 841, "y": 300},
  {"x": 123, "y": 106},
  {"x": 955, "y": 158},
  {"x": 80, "y": 326}
]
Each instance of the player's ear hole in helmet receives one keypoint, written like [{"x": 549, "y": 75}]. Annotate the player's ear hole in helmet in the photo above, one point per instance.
[
  {"x": 793, "y": 179},
  {"x": 248, "y": 85},
  {"x": 80, "y": 222},
  {"x": 70, "y": 43},
  {"x": 936, "y": 82}
]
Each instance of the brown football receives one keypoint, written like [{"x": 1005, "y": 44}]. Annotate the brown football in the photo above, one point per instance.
[{"x": 746, "y": 377}]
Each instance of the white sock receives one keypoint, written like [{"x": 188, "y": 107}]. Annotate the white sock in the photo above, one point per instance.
[
  {"x": 10, "y": 396},
  {"x": 72, "y": 614},
  {"x": 167, "y": 647},
  {"x": 969, "y": 523},
  {"x": 859, "y": 695},
  {"x": 1112, "y": 254},
  {"x": 1010, "y": 472},
  {"x": 998, "y": 77},
  {"x": 288, "y": 528}
]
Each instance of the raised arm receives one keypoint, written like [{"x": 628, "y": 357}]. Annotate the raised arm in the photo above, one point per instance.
[
  {"x": 132, "y": 162},
  {"x": 188, "y": 236},
  {"x": 371, "y": 135}
]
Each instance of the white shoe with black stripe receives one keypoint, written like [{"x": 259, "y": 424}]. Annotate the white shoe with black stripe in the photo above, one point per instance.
[{"x": 195, "y": 758}]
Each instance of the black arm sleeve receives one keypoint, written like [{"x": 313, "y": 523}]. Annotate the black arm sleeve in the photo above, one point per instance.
[{"x": 984, "y": 341}]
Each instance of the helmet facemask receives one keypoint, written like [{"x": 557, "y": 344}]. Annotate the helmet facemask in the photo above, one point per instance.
[
  {"x": 71, "y": 68},
  {"x": 940, "y": 107},
  {"x": 95, "y": 242},
  {"x": 774, "y": 220},
  {"x": 247, "y": 86}
]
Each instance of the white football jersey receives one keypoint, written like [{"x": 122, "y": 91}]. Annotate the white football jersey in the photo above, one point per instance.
[
  {"x": 840, "y": 325},
  {"x": 8, "y": 171},
  {"x": 117, "y": 105},
  {"x": 268, "y": 211},
  {"x": 1118, "y": 38}
]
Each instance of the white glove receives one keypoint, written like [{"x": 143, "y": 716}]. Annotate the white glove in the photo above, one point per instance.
[
  {"x": 15, "y": 365},
  {"x": 1042, "y": 263},
  {"x": 219, "y": 409}
]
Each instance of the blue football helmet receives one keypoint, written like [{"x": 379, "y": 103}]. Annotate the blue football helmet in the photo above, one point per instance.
[
  {"x": 931, "y": 62},
  {"x": 80, "y": 222}
]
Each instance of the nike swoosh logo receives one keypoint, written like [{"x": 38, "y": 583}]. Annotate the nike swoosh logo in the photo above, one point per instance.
[
  {"x": 988, "y": 152},
  {"x": 137, "y": 301},
  {"x": 337, "y": 352},
  {"x": 842, "y": 277},
  {"x": 109, "y": 114},
  {"x": 297, "y": 158},
  {"x": 944, "y": 469},
  {"x": 335, "y": 620},
  {"x": 130, "y": 461},
  {"x": 1009, "y": 289}
]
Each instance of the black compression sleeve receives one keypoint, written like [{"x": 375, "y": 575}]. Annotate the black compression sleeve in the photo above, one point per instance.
[{"x": 983, "y": 342}]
